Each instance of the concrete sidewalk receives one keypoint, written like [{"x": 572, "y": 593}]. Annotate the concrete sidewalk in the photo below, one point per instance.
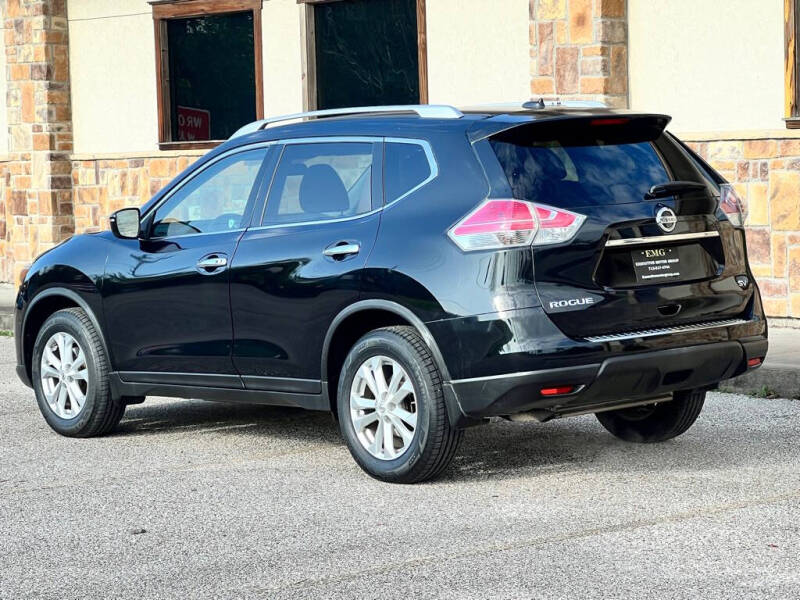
[
  {"x": 780, "y": 374},
  {"x": 8, "y": 293}
]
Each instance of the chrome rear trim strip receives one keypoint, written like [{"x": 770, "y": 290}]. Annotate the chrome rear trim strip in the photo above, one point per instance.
[
  {"x": 642, "y": 333},
  {"x": 662, "y": 239}
]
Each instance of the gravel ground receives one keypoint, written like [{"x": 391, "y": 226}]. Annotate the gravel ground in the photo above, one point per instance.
[{"x": 194, "y": 499}]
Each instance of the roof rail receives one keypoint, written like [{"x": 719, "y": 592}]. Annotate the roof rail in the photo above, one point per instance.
[{"x": 425, "y": 111}]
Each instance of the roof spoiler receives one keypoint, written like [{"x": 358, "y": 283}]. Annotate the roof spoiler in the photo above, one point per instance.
[{"x": 650, "y": 122}]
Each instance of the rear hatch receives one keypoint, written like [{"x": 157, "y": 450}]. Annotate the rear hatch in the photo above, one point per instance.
[{"x": 655, "y": 250}]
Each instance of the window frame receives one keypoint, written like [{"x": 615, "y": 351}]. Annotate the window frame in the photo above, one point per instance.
[
  {"x": 791, "y": 21},
  {"x": 163, "y": 11},
  {"x": 309, "y": 51}
]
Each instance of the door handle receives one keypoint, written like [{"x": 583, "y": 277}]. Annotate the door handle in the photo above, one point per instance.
[
  {"x": 341, "y": 250},
  {"x": 212, "y": 262}
]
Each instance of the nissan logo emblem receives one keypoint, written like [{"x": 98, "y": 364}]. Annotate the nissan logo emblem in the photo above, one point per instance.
[{"x": 666, "y": 219}]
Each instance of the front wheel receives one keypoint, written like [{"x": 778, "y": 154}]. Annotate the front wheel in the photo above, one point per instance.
[
  {"x": 391, "y": 406},
  {"x": 70, "y": 376},
  {"x": 655, "y": 422}
]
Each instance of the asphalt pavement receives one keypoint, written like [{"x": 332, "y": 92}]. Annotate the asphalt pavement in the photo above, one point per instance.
[{"x": 192, "y": 499}]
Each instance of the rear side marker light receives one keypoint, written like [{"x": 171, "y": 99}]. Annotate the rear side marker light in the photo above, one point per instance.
[
  {"x": 560, "y": 390},
  {"x": 731, "y": 204},
  {"x": 754, "y": 362},
  {"x": 509, "y": 223}
]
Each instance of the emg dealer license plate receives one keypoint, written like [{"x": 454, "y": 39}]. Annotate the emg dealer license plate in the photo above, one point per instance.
[{"x": 656, "y": 264}]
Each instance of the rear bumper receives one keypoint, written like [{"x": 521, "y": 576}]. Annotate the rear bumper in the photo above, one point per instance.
[{"x": 617, "y": 380}]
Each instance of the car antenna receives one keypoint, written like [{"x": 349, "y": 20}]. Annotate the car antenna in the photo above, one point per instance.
[{"x": 534, "y": 104}]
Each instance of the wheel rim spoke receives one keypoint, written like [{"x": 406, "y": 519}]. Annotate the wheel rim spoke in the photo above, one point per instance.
[
  {"x": 385, "y": 422},
  {"x": 401, "y": 429},
  {"x": 405, "y": 416},
  {"x": 361, "y": 422}
]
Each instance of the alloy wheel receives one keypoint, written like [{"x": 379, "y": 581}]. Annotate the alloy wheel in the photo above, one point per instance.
[
  {"x": 64, "y": 375},
  {"x": 383, "y": 407}
]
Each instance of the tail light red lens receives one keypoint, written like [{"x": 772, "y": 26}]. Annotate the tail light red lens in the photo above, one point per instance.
[
  {"x": 731, "y": 204},
  {"x": 754, "y": 362},
  {"x": 560, "y": 390},
  {"x": 509, "y": 223}
]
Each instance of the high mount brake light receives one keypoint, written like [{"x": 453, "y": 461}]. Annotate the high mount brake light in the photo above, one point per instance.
[
  {"x": 509, "y": 223},
  {"x": 731, "y": 204}
]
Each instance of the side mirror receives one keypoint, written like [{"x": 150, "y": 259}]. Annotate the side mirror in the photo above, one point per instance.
[{"x": 125, "y": 223}]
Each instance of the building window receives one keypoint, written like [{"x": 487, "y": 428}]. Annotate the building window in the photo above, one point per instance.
[
  {"x": 365, "y": 53},
  {"x": 209, "y": 71},
  {"x": 792, "y": 63}
]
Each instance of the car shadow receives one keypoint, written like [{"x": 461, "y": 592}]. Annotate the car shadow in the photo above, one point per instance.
[
  {"x": 228, "y": 418},
  {"x": 498, "y": 450}
]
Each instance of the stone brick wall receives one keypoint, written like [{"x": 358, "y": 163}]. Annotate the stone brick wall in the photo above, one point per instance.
[
  {"x": 102, "y": 185},
  {"x": 37, "y": 194},
  {"x": 766, "y": 173},
  {"x": 579, "y": 50}
]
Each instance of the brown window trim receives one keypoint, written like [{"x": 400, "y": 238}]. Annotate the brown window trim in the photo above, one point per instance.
[
  {"x": 172, "y": 9},
  {"x": 791, "y": 8},
  {"x": 309, "y": 53}
]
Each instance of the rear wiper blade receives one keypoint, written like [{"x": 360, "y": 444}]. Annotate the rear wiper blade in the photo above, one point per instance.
[{"x": 674, "y": 188}]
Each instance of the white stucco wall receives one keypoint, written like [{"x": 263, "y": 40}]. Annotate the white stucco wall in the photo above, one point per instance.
[
  {"x": 713, "y": 66},
  {"x": 283, "y": 84},
  {"x": 478, "y": 51},
  {"x": 112, "y": 72}
]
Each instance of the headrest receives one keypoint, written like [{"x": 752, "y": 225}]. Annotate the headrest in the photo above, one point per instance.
[{"x": 322, "y": 191}]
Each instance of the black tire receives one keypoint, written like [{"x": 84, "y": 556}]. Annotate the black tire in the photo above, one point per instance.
[
  {"x": 655, "y": 422},
  {"x": 434, "y": 441},
  {"x": 100, "y": 413}
]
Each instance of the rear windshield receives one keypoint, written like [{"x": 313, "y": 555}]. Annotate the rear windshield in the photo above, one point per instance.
[{"x": 579, "y": 165}]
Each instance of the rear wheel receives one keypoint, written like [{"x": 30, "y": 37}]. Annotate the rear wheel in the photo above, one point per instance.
[
  {"x": 70, "y": 376},
  {"x": 655, "y": 422},
  {"x": 392, "y": 411}
]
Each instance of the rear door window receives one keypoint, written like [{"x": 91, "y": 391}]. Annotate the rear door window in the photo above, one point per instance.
[
  {"x": 321, "y": 181},
  {"x": 571, "y": 166}
]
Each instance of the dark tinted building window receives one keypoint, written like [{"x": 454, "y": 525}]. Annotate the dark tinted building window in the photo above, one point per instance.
[
  {"x": 366, "y": 53},
  {"x": 406, "y": 167},
  {"x": 211, "y": 75}
]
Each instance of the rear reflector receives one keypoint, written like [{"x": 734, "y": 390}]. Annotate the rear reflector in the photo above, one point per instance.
[
  {"x": 560, "y": 390},
  {"x": 510, "y": 223},
  {"x": 754, "y": 362},
  {"x": 731, "y": 204}
]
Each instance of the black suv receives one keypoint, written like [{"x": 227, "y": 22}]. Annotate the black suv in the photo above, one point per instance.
[{"x": 414, "y": 270}]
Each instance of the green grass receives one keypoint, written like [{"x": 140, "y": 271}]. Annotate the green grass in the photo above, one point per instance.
[{"x": 6, "y": 333}]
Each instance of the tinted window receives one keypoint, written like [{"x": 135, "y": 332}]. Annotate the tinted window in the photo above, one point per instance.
[
  {"x": 321, "y": 181},
  {"x": 578, "y": 168},
  {"x": 214, "y": 200},
  {"x": 212, "y": 89},
  {"x": 366, "y": 53},
  {"x": 406, "y": 167}
]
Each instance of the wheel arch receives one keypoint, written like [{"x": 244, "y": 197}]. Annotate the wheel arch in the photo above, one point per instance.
[
  {"x": 356, "y": 320},
  {"x": 44, "y": 304}
]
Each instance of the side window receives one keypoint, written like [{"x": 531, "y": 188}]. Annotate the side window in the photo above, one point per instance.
[
  {"x": 406, "y": 166},
  {"x": 214, "y": 200},
  {"x": 318, "y": 181}
]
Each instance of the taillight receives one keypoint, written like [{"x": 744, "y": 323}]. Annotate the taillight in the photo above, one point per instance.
[
  {"x": 732, "y": 205},
  {"x": 509, "y": 223}
]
